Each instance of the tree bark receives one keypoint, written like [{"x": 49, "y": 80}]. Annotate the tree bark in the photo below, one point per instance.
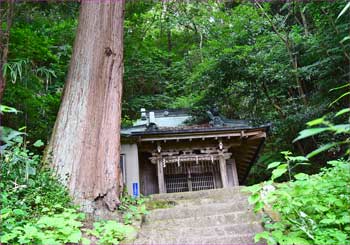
[{"x": 85, "y": 143}]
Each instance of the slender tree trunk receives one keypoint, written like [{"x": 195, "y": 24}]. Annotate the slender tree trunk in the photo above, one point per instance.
[
  {"x": 85, "y": 143},
  {"x": 4, "y": 39},
  {"x": 304, "y": 20},
  {"x": 169, "y": 45}
]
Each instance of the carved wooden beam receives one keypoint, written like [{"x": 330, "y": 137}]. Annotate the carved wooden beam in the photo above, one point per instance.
[
  {"x": 188, "y": 158},
  {"x": 258, "y": 136},
  {"x": 241, "y": 134}
]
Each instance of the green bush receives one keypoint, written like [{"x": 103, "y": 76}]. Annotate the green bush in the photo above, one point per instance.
[
  {"x": 132, "y": 208},
  {"x": 30, "y": 195},
  {"x": 36, "y": 208},
  {"x": 27, "y": 187},
  {"x": 111, "y": 232},
  {"x": 312, "y": 209},
  {"x": 52, "y": 228}
]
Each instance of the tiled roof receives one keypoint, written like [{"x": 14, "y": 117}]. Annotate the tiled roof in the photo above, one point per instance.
[{"x": 178, "y": 120}]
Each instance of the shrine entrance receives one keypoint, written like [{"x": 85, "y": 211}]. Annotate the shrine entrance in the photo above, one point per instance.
[
  {"x": 192, "y": 176},
  {"x": 191, "y": 169}
]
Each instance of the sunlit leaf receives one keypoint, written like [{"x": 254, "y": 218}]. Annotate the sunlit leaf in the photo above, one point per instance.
[
  {"x": 30, "y": 170},
  {"x": 342, "y": 128},
  {"x": 8, "y": 134},
  {"x": 298, "y": 159},
  {"x": 254, "y": 198},
  {"x": 278, "y": 173},
  {"x": 264, "y": 235},
  {"x": 321, "y": 149},
  {"x": 345, "y": 39},
  {"x": 38, "y": 143},
  {"x": 340, "y": 87},
  {"x": 258, "y": 206},
  {"x": 75, "y": 237},
  {"x": 343, "y": 111},
  {"x": 8, "y": 109},
  {"x": 253, "y": 188},
  {"x": 347, "y": 6},
  {"x": 310, "y": 132},
  {"x": 301, "y": 176},
  {"x": 316, "y": 122},
  {"x": 339, "y": 98},
  {"x": 273, "y": 165}
]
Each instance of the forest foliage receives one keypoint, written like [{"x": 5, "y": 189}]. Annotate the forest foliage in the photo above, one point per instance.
[
  {"x": 275, "y": 62},
  {"x": 281, "y": 62},
  {"x": 36, "y": 208},
  {"x": 311, "y": 209}
]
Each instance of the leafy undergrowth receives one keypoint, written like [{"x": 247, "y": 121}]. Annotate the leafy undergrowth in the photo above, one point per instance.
[
  {"x": 132, "y": 208},
  {"x": 36, "y": 208},
  {"x": 53, "y": 228},
  {"x": 312, "y": 209},
  {"x": 111, "y": 232}
]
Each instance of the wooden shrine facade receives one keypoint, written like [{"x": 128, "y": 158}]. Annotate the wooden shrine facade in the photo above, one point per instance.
[
  {"x": 162, "y": 152},
  {"x": 198, "y": 160}
]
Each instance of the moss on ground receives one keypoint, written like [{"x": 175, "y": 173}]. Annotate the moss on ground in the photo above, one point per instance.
[{"x": 158, "y": 204}]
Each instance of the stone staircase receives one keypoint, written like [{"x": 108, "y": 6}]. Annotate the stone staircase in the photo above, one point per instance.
[{"x": 221, "y": 216}]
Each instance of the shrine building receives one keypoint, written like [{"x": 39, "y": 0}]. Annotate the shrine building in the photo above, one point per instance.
[{"x": 164, "y": 152}]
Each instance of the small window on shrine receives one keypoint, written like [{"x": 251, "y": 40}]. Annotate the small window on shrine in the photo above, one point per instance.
[{"x": 123, "y": 166}]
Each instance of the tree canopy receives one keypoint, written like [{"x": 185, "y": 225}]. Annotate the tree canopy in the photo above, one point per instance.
[
  {"x": 265, "y": 62},
  {"x": 281, "y": 62}
]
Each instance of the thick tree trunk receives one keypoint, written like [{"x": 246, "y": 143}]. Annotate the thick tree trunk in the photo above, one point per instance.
[{"x": 85, "y": 144}]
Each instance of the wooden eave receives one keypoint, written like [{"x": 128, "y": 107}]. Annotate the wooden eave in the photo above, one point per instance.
[{"x": 208, "y": 134}]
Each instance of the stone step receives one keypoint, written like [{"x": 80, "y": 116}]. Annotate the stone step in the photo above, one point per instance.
[
  {"x": 237, "y": 239},
  {"x": 220, "y": 216},
  {"x": 224, "y": 193},
  {"x": 175, "y": 239},
  {"x": 206, "y": 221},
  {"x": 209, "y": 200},
  {"x": 179, "y": 212},
  {"x": 240, "y": 239},
  {"x": 233, "y": 239},
  {"x": 198, "y": 231}
]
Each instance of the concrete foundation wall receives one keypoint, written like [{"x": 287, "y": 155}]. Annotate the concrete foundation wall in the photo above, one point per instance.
[{"x": 131, "y": 167}]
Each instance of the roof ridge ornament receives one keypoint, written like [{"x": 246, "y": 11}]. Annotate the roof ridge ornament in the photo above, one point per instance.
[
  {"x": 216, "y": 120},
  {"x": 143, "y": 114}
]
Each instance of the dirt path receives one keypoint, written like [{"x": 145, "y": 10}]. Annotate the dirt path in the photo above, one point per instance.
[{"x": 221, "y": 216}]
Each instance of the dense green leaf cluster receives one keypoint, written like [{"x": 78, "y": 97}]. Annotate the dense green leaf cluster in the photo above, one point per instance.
[
  {"x": 111, "y": 232},
  {"x": 28, "y": 191},
  {"x": 309, "y": 209},
  {"x": 52, "y": 228},
  {"x": 40, "y": 47},
  {"x": 274, "y": 62},
  {"x": 36, "y": 208},
  {"x": 26, "y": 187},
  {"x": 132, "y": 208},
  {"x": 327, "y": 126},
  {"x": 312, "y": 209}
]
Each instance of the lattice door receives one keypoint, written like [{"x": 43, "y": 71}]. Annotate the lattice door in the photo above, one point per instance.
[{"x": 190, "y": 176}]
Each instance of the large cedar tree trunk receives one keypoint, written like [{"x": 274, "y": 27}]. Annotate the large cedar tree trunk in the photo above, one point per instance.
[{"x": 85, "y": 143}]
